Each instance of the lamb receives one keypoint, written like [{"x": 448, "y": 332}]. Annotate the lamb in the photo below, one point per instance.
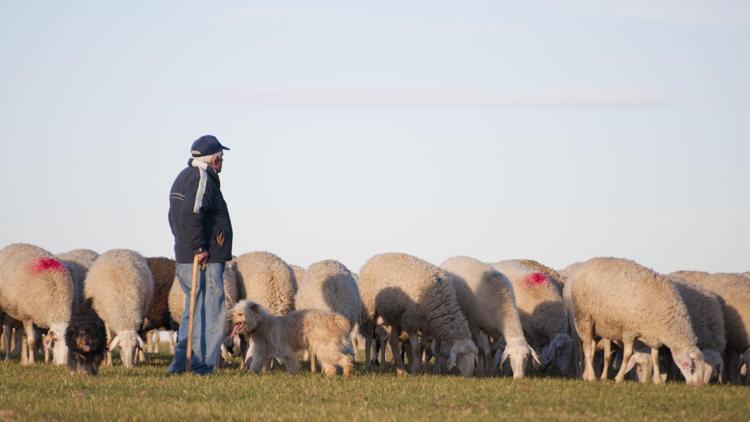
[
  {"x": 329, "y": 286},
  {"x": 121, "y": 286},
  {"x": 326, "y": 334},
  {"x": 486, "y": 299},
  {"x": 78, "y": 262},
  {"x": 618, "y": 299},
  {"x": 86, "y": 337},
  {"x": 266, "y": 279},
  {"x": 36, "y": 288},
  {"x": 733, "y": 291},
  {"x": 415, "y": 296},
  {"x": 542, "y": 313}
]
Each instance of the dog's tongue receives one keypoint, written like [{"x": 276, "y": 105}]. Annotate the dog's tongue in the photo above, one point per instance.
[{"x": 236, "y": 329}]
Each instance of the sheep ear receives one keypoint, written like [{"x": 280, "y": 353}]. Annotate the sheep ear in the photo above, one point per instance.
[
  {"x": 48, "y": 338},
  {"x": 534, "y": 356},
  {"x": 115, "y": 342},
  {"x": 505, "y": 356}
]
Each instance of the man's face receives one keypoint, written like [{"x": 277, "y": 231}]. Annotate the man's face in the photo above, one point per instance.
[{"x": 217, "y": 163}]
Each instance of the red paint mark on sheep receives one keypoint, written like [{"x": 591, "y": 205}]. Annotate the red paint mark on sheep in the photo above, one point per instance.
[
  {"x": 537, "y": 278},
  {"x": 47, "y": 264}
]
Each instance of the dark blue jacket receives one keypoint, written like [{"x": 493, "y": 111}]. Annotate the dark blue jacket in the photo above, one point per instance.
[{"x": 199, "y": 217}]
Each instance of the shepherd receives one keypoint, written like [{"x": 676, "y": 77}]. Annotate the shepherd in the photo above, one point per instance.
[{"x": 202, "y": 229}]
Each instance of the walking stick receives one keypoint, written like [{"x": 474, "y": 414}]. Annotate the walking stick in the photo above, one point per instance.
[{"x": 193, "y": 288}]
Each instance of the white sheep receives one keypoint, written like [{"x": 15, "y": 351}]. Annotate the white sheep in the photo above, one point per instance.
[
  {"x": 329, "y": 286},
  {"x": 542, "y": 313},
  {"x": 37, "y": 288},
  {"x": 121, "y": 286},
  {"x": 487, "y": 301},
  {"x": 267, "y": 280},
  {"x": 621, "y": 300},
  {"x": 78, "y": 262},
  {"x": 734, "y": 293},
  {"x": 299, "y": 275},
  {"x": 416, "y": 297}
]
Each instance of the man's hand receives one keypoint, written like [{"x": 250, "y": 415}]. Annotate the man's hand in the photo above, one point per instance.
[{"x": 202, "y": 257}]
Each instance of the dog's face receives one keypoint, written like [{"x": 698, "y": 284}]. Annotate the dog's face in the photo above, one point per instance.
[
  {"x": 86, "y": 340},
  {"x": 244, "y": 317}
]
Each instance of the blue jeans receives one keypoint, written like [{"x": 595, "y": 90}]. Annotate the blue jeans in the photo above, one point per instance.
[{"x": 209, "y": 321}]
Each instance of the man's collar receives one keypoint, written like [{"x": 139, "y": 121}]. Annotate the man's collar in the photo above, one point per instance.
[{"x": 200, "y": 164}]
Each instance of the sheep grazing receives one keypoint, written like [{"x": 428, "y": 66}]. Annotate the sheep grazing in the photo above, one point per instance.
[
  {"x": 487, "y": 301},
  {"x": 86, "y": 338},
  {"x": 620, "y": 300},
  {"x": 733, "y": 291},
  {"x": 121, "y": 286},
  {"x": 416, "y": 297},
  {"x": 707, "y": 319},
  {"x": 329, "y": 286},
  {"x": 325, "y": 334},
  {"x": 36, "y": 288},
  {"x": 542, "y": 313},
  {"x": 78, "y": 262},
  {"x": 266, "y": 279}
]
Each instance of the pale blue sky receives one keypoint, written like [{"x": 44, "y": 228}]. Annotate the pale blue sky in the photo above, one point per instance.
[{"x": 554, "y": 130}]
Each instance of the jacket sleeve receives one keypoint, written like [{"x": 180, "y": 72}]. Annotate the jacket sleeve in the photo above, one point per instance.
[{"x": 198, "y": 202}]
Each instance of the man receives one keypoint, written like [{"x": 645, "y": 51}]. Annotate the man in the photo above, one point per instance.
[{"x": 200, "y": 223}]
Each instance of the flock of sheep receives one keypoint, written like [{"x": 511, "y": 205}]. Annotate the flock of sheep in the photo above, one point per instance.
[{"x": 466, "y": 316}]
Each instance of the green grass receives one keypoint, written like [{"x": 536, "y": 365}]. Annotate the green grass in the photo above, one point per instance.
[{"x": 148, "y": 393}]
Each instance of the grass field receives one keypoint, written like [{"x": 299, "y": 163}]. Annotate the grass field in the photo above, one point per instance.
[{"x": 147, "y": 393}]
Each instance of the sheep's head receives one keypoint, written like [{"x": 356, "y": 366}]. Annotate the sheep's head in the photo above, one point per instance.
[
  {"x": 644, "y": 367},
  {"x": 559, "y": 351},
  {"x": 244, "y": 317},
  {"x": 463, "y": 353},
  {"x": 517, "y": 351},
  {"x": 713, "y": 364},
  {"x": 55, "y": 339},
  {"x": 130, "y": 342},
  {"x": 691, "y": 364}
]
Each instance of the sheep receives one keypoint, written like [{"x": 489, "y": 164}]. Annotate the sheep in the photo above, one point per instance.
[
  {"x": 706, "y": 316},
  {"x": 121, "y": 286},
  {"x": 619, "y": 299},
  {"x": 540, "y": 308},
  {"x": 37, "y": 288},
  {"x": 326, "y": 334},
  {"x": 266, "y": 279},
  {"x": 415, "y": 296},
  {"x": 487, "y": 301},
  {"x": 733, "y": 291},
  {"x": 86, "y": 338},
  {"x": 329, "y": 286},
  {"x": 78, "y": 262}
]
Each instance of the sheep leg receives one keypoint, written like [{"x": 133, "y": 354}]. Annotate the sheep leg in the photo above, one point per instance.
[
  {"x": 627, "y": 351},
  {"x": 109, "y": 340},
  {"x": 28, "y": 327},
  {"x": 731, "y": 367},
  {"x": 383, "y": 348},
  {"x": 586, "y": 329},
  {"x": 655, "y": 362},
  {"x": 394, "y": 342},
  {"x": 416, "y": 353},
  {"x": 6, "y": 340},
  {"x": 368, "y": 351},
  {"x": 354, "y": 334},
  {"x": 607, "y": 355}
]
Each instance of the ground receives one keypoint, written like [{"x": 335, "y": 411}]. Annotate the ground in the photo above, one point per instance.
[{"x": 148, "y": 393}]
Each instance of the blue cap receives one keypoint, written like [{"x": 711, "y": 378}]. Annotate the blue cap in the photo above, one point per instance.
[{"x": 206, "y": 145}]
